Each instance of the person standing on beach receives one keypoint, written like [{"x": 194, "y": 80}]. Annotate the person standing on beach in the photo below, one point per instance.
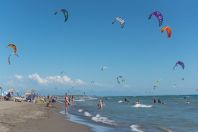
[
  {"x": 66, "y": 103},
  {"x": 72, "y": 102}
]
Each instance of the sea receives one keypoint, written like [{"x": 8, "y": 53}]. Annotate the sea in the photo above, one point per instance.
[{"x": 124, "y": 114}]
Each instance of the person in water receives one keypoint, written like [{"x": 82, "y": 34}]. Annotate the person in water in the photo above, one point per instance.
[
  {"x": 159, "y": 101},
  {"x": 154, "y": 100},
  {"x": 138, "y": 101},
  {"x": 126, "y": 100},
  {"x": 100, "y": 105}
]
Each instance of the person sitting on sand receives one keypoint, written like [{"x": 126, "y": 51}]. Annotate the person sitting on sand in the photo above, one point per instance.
[
  {"x": 8, "y": 96},
  {"x": 54, "y": 99},
  {"x": 49, "y": 101}
]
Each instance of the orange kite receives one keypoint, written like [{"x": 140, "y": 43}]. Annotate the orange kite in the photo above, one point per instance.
[{"x": 168, "y": 30}]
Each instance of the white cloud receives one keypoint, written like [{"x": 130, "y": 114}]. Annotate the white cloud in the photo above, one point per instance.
[
  {"x": 62, "y": 80},
  {"x": 36, "y": 77},
  {"x": 18, "y": 77}
]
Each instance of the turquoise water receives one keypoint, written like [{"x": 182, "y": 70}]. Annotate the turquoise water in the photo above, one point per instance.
[{"x": 176, "y": 114}]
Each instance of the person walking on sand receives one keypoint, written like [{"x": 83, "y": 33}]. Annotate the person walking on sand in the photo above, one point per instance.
[{"x": 66, "y": 103}]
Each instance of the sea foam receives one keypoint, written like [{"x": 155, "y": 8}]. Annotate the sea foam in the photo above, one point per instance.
[
  {"x": 104, "y": 120},
  {"x": 136, "y": 128},
  {"x": 79, "y": 100},
  {"x": 120, "y": 101},
  {"x": 80, "y": 110},
  {"x": 142, "y": 106},
  {"x": 87, "y": 114}
]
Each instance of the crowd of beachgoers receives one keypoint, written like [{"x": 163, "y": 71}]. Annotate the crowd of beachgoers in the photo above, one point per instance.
[{"x": 31, "y": 97}]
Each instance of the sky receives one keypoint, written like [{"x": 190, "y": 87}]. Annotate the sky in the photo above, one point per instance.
[{"x": 57, "y": 57}]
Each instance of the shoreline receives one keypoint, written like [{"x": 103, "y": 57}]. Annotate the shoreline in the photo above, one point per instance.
[{"x": 29, "y": 117}]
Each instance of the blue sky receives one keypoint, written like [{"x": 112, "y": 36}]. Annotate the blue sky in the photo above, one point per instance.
[{"x": 88, "y": 41}]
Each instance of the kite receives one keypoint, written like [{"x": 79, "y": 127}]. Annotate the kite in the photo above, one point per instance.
[
  {"x": 156, "y": 84},
  {"x": 120, "y": 20},
  {"x": 180, "y": 63},
  {"x": 158, "y": 15},
  {"x": 65, "y": 13},
  {"x": 13, "y": 46},
  {"x": 120, "y": 79},
  {"x": 168, "y": 30},
  {"x": 62, "y": 72},
  {"x": 103, "y": 68}
]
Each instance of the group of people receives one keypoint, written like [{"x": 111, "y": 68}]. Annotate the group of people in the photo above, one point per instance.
[
  {"x": 50, "y": 100},
  {"x": 69, "y": 100},
  {"x": 101, "y": 104},
  {"x": 8, "y": 96},
  {"x": 155, "y": 100}
]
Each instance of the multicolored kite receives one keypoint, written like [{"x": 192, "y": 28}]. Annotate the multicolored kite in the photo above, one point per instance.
[
  {"x": 13, "y": 46},
  {"x": 158, "y": 15}
]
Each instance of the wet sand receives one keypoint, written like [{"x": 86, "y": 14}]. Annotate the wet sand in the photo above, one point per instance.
[{"x": 29, "y": 117}]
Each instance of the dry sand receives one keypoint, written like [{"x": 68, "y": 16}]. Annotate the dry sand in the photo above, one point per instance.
[{"x": 28, "y": 117}]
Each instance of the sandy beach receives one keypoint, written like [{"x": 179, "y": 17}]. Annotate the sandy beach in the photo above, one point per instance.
[{"x": 29, "y": 117}]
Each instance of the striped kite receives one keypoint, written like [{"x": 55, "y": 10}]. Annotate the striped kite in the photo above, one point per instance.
[{"x": 120, "y": 20}]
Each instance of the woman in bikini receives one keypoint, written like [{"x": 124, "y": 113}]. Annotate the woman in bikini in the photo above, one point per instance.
[{"x": 66, "y": 103}]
